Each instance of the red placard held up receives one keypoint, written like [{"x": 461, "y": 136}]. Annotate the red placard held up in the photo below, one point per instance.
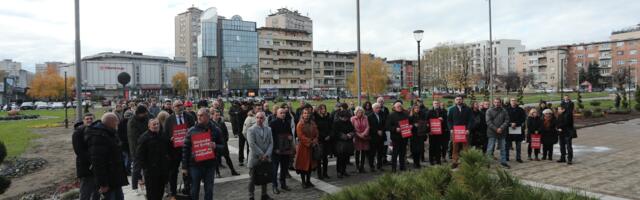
[
  {"x": 535, "y": 141},
  {"x": 179, "y": 132},
  {"x": 459, "y": 134},
  {"x": 202, "y": 148},
  {"x": 405, "y": 128},
  {"x": 436, "y": 126}
]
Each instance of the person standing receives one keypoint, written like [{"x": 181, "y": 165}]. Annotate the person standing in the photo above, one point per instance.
[
  {"x": 283, "y": 148},
  {"x": 398, "y": 116},
  {"x": 199, "y": 165},
  {"x": 534, "y": 125},
  {"x": 567, "y": 104},
  {"x": 459, "y": 115},
  {"x": 361, "y": 140},
  {"x": 261, "y": 146},
  {"x": 307, "y": 132},
  {"x": 497, "y": 124},
  {"x": 566, "y": 132},
  {"x": 549, "y": 134},
  {"x": 122, "y": 135},
  {"x": 517, "y": 116},
  {"x": 343, "y": 133},
  {"x": 368, "y": 108},
  {"x": 152, "y": 157},
  {"x": 249, "y": 121},
  {"x": 479, "y": 129},
  {"x": 378, "y": 137},
  {"x": 237, "y": 127},
  {"x": 218, "y": 123},
  {"x": 419, "y": 130},
  {"x": 153, "y": 108},
  {"x": 105, "y": 155},
  {"x": 175, "y": 130},
  {"x": 135, "y": 128},
  {"x": 88, "y": 188},
  {"x": 324, "y": 121},
  {"x": 437, "y": 138}
]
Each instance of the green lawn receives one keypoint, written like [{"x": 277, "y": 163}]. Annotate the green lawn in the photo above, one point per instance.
[{"x": 17, "y": 135}]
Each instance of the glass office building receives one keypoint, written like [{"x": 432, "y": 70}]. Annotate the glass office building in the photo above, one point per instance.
[{"x": 239, "y": 56}]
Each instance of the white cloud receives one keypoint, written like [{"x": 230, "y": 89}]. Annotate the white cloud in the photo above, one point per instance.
[{"x": 35, "y": 31}]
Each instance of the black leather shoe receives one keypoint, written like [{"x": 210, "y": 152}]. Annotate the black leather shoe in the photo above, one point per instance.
[
  {"x": 266, "y": 197},
  {"x": 275, "y": 191},
  {"x": 561, "y": 161},
  {"x": 286, "y": 188}
]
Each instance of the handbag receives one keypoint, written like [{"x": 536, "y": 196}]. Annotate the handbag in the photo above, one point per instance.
[
  {"x": 262, "y": 173},
  {"x": 317, "y": 152},
  {"x": 574, "y": 133}
]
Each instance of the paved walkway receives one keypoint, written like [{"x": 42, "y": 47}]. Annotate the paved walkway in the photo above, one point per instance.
[{"x": 606, "y": 166}]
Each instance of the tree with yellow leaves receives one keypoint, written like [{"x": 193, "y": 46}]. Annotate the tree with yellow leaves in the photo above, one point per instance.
[
  {"x": 374, "y": 76},
  {"x": 49, "y": 85},
  {"x": 180, "y": 84}
]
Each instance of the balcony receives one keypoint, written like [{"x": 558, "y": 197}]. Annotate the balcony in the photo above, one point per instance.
[
  {"x": 605, "y": 57},
  {"x": 607, "y": 48}
]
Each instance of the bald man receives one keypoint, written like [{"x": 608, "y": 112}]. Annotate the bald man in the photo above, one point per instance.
[
  {"x": 399, "y": 143},
  {"x": 106, "y": 158}
]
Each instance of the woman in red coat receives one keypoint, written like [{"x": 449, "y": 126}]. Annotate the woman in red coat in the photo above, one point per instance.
[
  {"x": 361, "y": 140},
  {"x": 307, "y": 133}
]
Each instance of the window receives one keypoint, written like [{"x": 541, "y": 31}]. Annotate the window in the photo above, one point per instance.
[
  {"x": 619, "y": 44},
  {"x": 590, "y": 55},
  {"x": 294, "y": 81},
  {"x": 620, "y": 53},
  {"x": 620, "y": 62},
  {"x": 266, "y": 81},
  {"x": 580, "y": 48},
  {"x": 633, "y": 52},
  {"x": 580, "y": 55},
  {"x": 633, "y": 61}
]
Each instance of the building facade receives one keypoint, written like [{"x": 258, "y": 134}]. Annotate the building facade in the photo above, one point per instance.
[
  {"x": 15, "y": 83},
  {"x": 505, "y": 52},
  {"x": 238, "y": 48},
  {"x": 330, "y": 72},
  {"x": 187, "y": 29},
  {"x": 548, "y": 67},
  {"x": 150, "y": 75},
  {"x": 287, "y": 19},
  {"x": 402, "y": 74},
  {"x": 609, "y": 56},
  {"x": 44, "y": 66}
]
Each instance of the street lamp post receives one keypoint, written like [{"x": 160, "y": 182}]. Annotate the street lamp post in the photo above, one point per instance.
[
  {"x": 491, "y": 69},
  {"x": 78, "y": 64},
  {"x": 359, "y": 55},
  {"x": 66, "y": 117},
  {"x": 417, "y": 34}
]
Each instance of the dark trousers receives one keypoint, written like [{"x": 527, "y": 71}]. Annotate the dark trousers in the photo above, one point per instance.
[
  {"x": 417, "y": 149},
  {"x": 135, "y": 177},
  {"x": 377, "y": 153},
  {"x": 566, "y": 148},
  {"x": 205, "y": 175},
  {"x": 280, "y": 162},
  {"x": 252, "y": 185},
  {"x": 445, "y": 146},
  {"x": 323, "y": 163},
  {"x": 114, "y": 194},
  {"x": 518, "y": 147},
  {"x": 173, "y": 177},
  {"x": 535, "y": 151},
  {"x": 88, "y": 189},
  {"x": 154, "y": 185},
  {"x": 341, "y": 164},
  {"x": 547, "y": 151},
  {"x": 227, "y": 158},
  {"x": 435, "y": 148},
  {"x": 399, "y": 153},
  {"x": 360, "y": 159},
  {"x": 242, "y": 141}
]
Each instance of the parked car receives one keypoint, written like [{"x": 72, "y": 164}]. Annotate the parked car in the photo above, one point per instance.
[
  {"x": 71, "y": 104},
  {"x": 41, "y": 105},
  {"x": 57, "y": 105},
  {"x": 9, "y": 107},
  {"x": 27, "y": 106},
  {"x": 270, "y": 98},
  {"x": 610, "y": 90}
]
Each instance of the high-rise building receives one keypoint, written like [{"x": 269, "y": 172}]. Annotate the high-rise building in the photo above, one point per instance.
[
  {"x": 330, "y": 72},
  {"x": 43, "y": 67},
  {"x": 187, "y": 29},
  {"x": 546, "y": 66},
  {"x": 402, "y": 74},
  {"x": 610, "y": 57},
  {"x": 504, "y": 55},
  {"x": 208, "y": 65},
  {"x": 239, "y": 56},
  {"x": 286, "y": 53},
  {"x": 15, "y": 82}
]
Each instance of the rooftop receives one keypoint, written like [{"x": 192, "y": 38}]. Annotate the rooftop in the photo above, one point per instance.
[
  {"x": 129, "y": 54},
  {"x": 627, "y": 30}
]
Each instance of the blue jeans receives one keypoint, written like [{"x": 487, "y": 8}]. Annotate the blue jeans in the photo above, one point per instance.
[
  {"x": 127, "y": 162},
  {"x": 501, "y": 144},
  {"x": 518, "y": 147},
  {"x": 114, "y": 194},
  {"x": 201, "y": 174}
]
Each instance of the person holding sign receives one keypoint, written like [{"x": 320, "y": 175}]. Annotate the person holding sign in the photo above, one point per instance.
[
  {"x": 517, "y": 116},
  {"x": 534, "y": 123},
  {"x": 497, "y": 128},
  {"x": 175, "y": 129},
  {"x": 397, "y": 123},
  {"x": 437, "y": 116},
  {"x": 460, "y": 121},
  {"x": 419, "y": 130},
  {"x": 201, "y": 145},
  {"x": 153, "y": 159}
]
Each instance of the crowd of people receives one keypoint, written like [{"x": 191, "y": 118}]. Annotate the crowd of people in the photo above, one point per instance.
[{"x": 157, "y": 143}]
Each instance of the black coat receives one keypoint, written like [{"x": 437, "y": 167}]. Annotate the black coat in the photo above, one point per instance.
[
  {"x": 81, "y": 150},
  {"x": 479, "y": 129},
  {"x": 281, "y": 128},
  {"x": 152, "y": 155},
  {"x": 516, "y": 115},
  {"x": 105, "y": 155},
  {"x": 565, "y": 123},
  {"x": 568, "y": 106},
  {"x": 135, "y": 128},
  {"x": 376, "y": 125},
  {"x": 122, "y": 134},
  {"x": 437, "y": 113},
  {"x": 393, "y": 122},
  {"x": 533, "y": 124},
  {"x": 236, "y": 124},
  {"x": 549, "y": 134},
  {"x": 324, "y": 126},
  {"x": 343, "y": 144}
]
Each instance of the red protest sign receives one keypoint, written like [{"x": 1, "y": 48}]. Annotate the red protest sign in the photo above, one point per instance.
[
  {"x": 202, "y": 148},
  {"x": 405, "y": 128},
  {"x": 535, "y": 141},
  {"x": 179, "y": 132},
  {"x": 436, "y": 126},
  {"x": 459, "y": 134}
]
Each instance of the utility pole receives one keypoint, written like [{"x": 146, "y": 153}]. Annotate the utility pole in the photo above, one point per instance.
[
  {"x": 359, "y": 55},
  {"x": 491, "y": 68},
  {"x": 78, "y": 65}
]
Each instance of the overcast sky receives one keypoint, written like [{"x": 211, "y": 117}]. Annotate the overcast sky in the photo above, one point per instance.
[{"x": 35, "y": 31}]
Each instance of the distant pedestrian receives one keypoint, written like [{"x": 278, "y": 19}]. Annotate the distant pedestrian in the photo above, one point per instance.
[
  {"x": 324, "y": 122},
  {"x": 534, "y": 125},
  {"x": 394, "y": 122},
  {"x": 378, "y": 137},
  {"x": 438, "y": 138},
  {"x": 343, "y": 132},
  {"x": 517, "y": 116},
  {"x": 135, "y": 128}
]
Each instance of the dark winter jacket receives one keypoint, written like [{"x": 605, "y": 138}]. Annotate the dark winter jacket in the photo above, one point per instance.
[
  {"x": 105, "y": 155},
  {"x": 188, "y": 159},
  {"x": 167, "y": 132},
  {"x": 393, "y": 122},
  {"x": 324, "y": 126},
  {"x": 533, "y": 124},
  {"x": 462, "y": 116},
  {"x": 565, "y": 123},
  {"x": 549, "y": 134},
  {"x": 135, "y": 128},
  {"x": 81, "y": 149},
  {"x": 282, "y": 136},
  {"x": 122, "y": 135},
  {"x": 437, "y": 113},
  {"x": 341, "y": 129},
  {"x": 516, "y": 115},
  {"x": 152, "y": 155},
  {"x": 236, "y": 123},
  {"x": 377, "y": 124}
]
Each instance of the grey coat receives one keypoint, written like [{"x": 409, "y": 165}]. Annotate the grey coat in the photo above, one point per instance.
[
  {"x": 497, "y": 118},
  {"x": 260, "y": 143}
]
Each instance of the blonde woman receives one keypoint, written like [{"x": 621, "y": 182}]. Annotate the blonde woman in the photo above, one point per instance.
[{"x": 361, "y": 140}]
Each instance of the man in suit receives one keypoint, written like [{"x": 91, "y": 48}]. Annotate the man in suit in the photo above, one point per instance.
[
  {"x": 175, "y": 128},
  {"x": 376, "y": 131},
  {"x": 260, "y": 148},
  {"x": 458, "y": 115}
]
